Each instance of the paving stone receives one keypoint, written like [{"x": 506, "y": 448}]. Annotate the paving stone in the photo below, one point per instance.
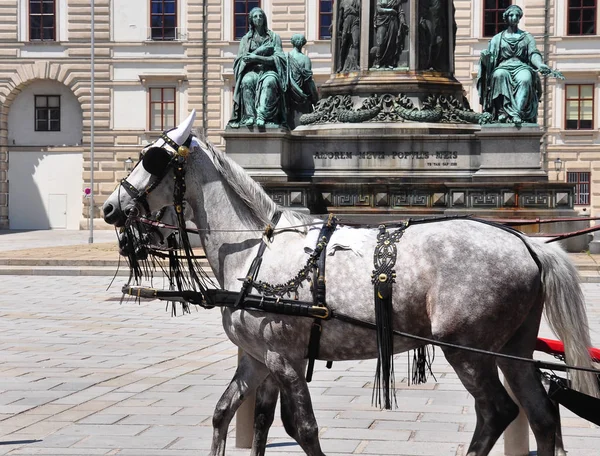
[
  {"x": 102, "y": 429},
  {"x": 411, "y": 449},
  {"x": 128, "y": 371}
]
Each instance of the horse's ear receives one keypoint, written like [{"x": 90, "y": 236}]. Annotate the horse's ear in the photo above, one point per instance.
[
  {"x": 156, "y": 160},
  {"x": 182, "y": 132}
]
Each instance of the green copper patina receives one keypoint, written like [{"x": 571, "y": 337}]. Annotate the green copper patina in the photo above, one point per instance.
[
  {"x": 260, "y": 71},
  {"x": 302, "y": 91},
  {"x": 509, "y": 84}
]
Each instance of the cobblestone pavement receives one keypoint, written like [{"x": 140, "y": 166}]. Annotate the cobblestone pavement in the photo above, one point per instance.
[{"x": 83, "y": 374}]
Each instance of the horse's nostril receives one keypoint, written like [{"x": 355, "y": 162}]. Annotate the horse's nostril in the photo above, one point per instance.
[{"x": 108, "y": 210}]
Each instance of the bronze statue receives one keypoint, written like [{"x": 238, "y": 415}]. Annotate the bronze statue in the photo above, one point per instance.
[
  {"x": 349, "y": 36},
  {"x": 302, "y": 91},
  {"x": 509, "y": 85},
  {"x": 260, "y": 71},
  {"x": 434, "y": 37},
  {"x": 391, "y": 30}
]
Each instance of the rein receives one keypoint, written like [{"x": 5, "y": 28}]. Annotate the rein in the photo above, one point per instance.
[{"x": 506, "y": 222}]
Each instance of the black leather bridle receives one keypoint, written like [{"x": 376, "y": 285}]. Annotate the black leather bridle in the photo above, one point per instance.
[{"x": 158, "y": 161}]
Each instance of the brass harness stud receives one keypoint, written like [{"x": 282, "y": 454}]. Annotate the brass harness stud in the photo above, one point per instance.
[{"x": 183, "y": 151}]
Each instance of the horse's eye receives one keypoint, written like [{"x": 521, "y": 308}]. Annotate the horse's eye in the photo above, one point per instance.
[{"x": 155, "y": 160}]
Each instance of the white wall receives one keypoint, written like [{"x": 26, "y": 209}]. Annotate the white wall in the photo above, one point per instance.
[
  {"x": 130, "y": 111},
  {"x": 130, "y": 20},
  {"x": 21, "y": 117},
  {"x": 34, "y": 178}
]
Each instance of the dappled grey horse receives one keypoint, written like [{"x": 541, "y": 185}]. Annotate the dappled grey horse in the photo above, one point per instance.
[{"x": 458, "y": 281}]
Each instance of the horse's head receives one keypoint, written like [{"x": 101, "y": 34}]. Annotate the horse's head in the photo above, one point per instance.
[{"x": 152, "y": 183}]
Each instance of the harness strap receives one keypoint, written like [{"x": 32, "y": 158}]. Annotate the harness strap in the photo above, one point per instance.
[
  {"x": 255, "y": 266},
  {"x": 138, "y": 196},
  {"x": 319, "y": 295},
  {"x": 383, "y": 278}
]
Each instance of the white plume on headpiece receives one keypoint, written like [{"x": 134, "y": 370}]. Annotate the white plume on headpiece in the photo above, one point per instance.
[{"x": 182, "y": 132}]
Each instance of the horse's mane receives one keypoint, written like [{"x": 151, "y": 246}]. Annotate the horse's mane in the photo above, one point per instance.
[{"x": 261, "y": 206}]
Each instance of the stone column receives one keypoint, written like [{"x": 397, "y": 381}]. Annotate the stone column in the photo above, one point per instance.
[{"x": 365, "y": 34}]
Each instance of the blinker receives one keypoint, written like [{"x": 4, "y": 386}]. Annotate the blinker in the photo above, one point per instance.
[{"x": 156, "y": 160}]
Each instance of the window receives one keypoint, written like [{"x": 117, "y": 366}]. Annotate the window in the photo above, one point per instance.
[
  {"x": 42, "y": 20},
  {"x": 493, "y": 22},
  {"x": 162, "y": 108},
  {"x": 163, "y": 20},
  {"x": 582, "y": 186},
  {"x": 47, "y": 113},
  {"x": 579, "y": 103},
  {"x": 325, "y": 19},
  {"x": 241, "y": 8},
  {"x": 582, "y": 17}
]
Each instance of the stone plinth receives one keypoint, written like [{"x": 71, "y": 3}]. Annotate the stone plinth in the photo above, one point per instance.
[
  {"x": 372, "y": 172},
  {"x": 259, "y": 152},
  {"x": 404, "y": 169},
  {"x": 383, "y": 152},
  {"x": 510, "y": 152}
]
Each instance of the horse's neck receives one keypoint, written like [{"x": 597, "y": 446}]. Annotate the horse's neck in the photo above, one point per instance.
[{"x": 223, "y": 220}]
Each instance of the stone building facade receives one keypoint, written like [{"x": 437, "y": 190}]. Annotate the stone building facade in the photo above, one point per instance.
[{"x": 156, "y": 60}]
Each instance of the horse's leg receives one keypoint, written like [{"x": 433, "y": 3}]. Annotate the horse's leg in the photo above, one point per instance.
[
  {"x": 264, "y": 413},
  {"x": 559, "y": 444},
  {"x": 525, "y": 383},
  {"x": 296, "y": 403},
  {"x": 248, "y": 375},
  {"x": 287, "y": 417},
  {"x": 494, "y": 408},
  {"x": 266, "y": 402}
]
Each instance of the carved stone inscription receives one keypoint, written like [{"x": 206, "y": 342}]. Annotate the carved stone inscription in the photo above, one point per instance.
[{"x": 429, "y": 159}]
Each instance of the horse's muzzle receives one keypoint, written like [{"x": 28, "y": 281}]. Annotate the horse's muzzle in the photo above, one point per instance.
[{"x": 113, "y": 215}]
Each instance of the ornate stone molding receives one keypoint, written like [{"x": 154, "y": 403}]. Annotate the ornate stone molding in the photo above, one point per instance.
[
  {"x": 393, "y": 108},
  {"x": 397, "y": 198}
]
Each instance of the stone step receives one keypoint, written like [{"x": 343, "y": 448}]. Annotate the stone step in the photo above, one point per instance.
[
  {"x": 71, "y": 270},
  {"x": 92, "y": 262}
]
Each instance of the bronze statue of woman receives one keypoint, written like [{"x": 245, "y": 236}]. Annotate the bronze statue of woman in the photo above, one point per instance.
[
  {"x": 260, "y": 71},
  {"x": 390, "y": 33},
  {"x": 509, "y": 86},
  {"x": 349, "y": 36}
]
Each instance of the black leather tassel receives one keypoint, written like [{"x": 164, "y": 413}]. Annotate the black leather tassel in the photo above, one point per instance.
[
  {"x": 383, "y": 278},
  {"x": 384, "y": 386},
  {"x": 421, "y": 364}
]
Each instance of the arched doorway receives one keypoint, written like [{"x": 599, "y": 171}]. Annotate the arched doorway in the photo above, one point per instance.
[{"x": 45, "y": 124}]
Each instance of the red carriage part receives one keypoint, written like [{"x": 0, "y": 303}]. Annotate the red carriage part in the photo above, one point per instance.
[{"x": 556, "y": 347}]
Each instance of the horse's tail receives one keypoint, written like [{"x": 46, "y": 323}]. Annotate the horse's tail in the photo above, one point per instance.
[{"x": 564, "y": 307}]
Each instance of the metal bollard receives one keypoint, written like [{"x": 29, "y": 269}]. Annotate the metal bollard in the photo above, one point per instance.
[
  {"x": 244, "y": 419},
  {"x": 516, "y": 435}
]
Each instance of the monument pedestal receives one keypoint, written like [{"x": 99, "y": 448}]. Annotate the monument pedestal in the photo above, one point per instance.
[
  {"x": 510, "y": 152},
  {"x": 259, "y": 152},
  {"x": 377, "y": 171}
]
